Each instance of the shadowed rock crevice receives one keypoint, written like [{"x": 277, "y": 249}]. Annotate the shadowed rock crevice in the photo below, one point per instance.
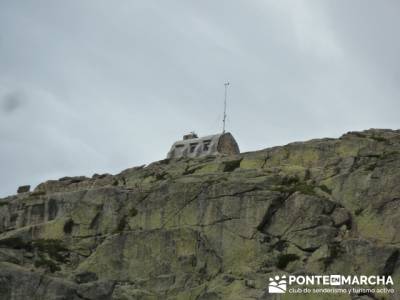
[{"x": 391, "y": 263}]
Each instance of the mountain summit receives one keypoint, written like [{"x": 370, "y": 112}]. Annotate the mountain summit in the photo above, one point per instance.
[{"x": 214, "y": 227}]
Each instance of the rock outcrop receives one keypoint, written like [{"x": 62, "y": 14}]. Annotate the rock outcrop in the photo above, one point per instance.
[{"x": 209, "y": 228}]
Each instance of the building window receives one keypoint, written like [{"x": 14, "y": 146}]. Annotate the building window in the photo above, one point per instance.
[
  {"x": 193, "y": 147},
  {"x": 206, "y": 145}
]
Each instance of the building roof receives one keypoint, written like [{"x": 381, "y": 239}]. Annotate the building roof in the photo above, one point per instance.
[{"x": 201, "y": 146}]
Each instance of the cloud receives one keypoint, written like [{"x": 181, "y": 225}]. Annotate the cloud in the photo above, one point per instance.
[{"x": 91, "y": 87}]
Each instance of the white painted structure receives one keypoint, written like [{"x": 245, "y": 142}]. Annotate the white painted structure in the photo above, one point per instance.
[{"x": 193, "y": 146}]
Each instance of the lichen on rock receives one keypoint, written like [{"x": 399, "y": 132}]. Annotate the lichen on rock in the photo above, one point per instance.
[{"x": 215, "y": 227}]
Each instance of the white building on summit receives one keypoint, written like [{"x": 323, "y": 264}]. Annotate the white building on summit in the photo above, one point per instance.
[{"x": 193, "y": 146}]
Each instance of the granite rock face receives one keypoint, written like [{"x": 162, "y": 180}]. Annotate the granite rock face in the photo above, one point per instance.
[{"x": 209, "y": 228}]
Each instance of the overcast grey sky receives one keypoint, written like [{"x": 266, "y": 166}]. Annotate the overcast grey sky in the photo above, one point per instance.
[{"x": 99, "y": 86}]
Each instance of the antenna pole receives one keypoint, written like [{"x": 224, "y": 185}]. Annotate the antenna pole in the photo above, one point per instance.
[{"x": 224, "y": 119}]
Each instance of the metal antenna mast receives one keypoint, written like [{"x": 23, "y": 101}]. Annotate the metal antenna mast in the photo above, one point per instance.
[{"x": 224, "y": 119}]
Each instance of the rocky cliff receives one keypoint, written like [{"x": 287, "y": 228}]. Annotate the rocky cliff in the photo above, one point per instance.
[{"x": 209, "y": 228}]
